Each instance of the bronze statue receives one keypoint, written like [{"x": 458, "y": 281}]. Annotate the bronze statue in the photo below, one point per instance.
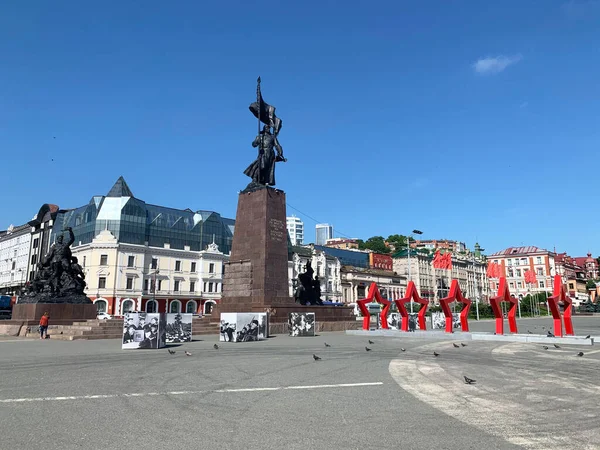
[
  {"x": 308, "y": 291},
  {"x": 262, "y": 170},
  {"x": 59, "y": 278}
]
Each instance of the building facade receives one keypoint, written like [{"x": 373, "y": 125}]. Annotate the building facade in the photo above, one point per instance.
[
  {"x": 14, "y": 259},
  {"x": 439, "y": 244},
  {"x": 590, "y": 265},
  {"x": 357, "y": 280},
  {"x": 326, "y": 267},
  {"x": 123, "y": 277},
  {"x": 323, "y": 232},
  {"x": 295, "y": 228},
  {"x": 342, "y": 243},
  {"x": 573, "y": 275},
  {"x": 515, "y": 261}
]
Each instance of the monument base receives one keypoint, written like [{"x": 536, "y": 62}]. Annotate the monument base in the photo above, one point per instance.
[{"x": 60, "y": 313}]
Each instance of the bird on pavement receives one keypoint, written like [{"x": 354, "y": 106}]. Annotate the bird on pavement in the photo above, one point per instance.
[
  {"x": 550, "y": 334},
  {"x": 545, "y": 347},
  {"x": 469, "y": 380},
  {"x": 556, "y": 346},
  {"x": 216, "y": 347},
  {"x": 327, "y": 345},
  {"x": 371, "y": 342},
  {"x": 463, "y": 345},
  {"x": 529, "y": 332},
  {"x": 455, "y": 345},
  {"x": 188, "y": 353},
  {"x": 588, "y": 336},
  {"x": 402, "y": 349},
  {"x": 316, "y": 358},
  {"x": 580, "y": 354},
  {"x": 367, "y": 349},
  {"x": 172, "y": 352},
  {"x": 436, "y": 354}
]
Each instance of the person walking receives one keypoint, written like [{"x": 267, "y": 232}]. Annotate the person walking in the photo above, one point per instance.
[{"x": 44, "y": 325}]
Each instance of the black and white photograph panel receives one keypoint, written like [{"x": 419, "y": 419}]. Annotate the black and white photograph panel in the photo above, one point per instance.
[
  {"x": 263, "y": 325},
  {"x": 141, "y": 330},
  {"x": 301, "y": 324},
  {"x": 162, "y": 331},
  {"x": 247, "y": 327},
  {"x": 228, "y": 327},
  {"x": 179, "y": 328},
  {"x": 393, "y": 320},
  {"x": 439, "y": 320}
]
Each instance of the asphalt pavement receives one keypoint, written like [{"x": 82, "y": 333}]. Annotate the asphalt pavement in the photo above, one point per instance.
[{"x": 273, "y": 395}]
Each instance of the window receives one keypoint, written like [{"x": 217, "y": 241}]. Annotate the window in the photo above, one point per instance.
[
  {"x": 36, "y": 243},
  {"x": 510, "y": 262},
  {"x": 510, "y": 273},
  {"x": 571, "y": 287},
  {"x": 177, "y": 266},
  {"x": 211, "y": 268},
  {"x": 14, "y": 264},
  {"x": 175, "y": 306},
  {"x": 538, "y": 260},
  {"x": 519, "y": 284},
  {"x": 31, "y": 275},
  {"x": 154, "y": 263},
  {"x": 33, "y": 259},
  {"x": 517, "y": 262},
  {"x": 159, "y": 287},
  {"x": 131, "y": 261},
  {"x": 192, "y": 286},
  {"x": 518, "y": 272},
  {"x": 542, "y": 284},
  {"x": 205, "y": 286},
  {"x": 101, "y": 282},
  {"x": 152, "y": 306},
  {"x": 210, "y": 287},
  {"x": 540, "y": 271},
  {"x": 176, "y": 286},
  {"x": 191, "y": 307},
  {"x": 129, "y": 283},
  {"x": 84, "y": 259},
  {"x": 104, "y": 260},
  {"x": 193, "y": 267},
  {"x": 146, "y": 285},
  {"x": 511, "y": 284}
]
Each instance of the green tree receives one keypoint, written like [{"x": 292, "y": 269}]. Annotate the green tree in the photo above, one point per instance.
[
  {"x": 374, "y": 243},
  {"x": 591, "y": 284}
]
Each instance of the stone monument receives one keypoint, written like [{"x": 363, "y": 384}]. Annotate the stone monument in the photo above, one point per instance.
[
  {"x": 256, "y": 276},
  {"x": 57, "y": 288}
]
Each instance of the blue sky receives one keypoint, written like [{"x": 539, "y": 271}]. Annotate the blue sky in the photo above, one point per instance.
[{"x": 467, "y": 119}]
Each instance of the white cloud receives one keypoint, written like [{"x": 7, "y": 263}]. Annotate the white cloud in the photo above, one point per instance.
[{"x": 489, "y": 65}]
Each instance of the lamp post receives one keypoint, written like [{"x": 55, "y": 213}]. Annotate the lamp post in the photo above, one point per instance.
[
  {"x": 475, "y": 284},
  {"x": 408, "y": 253}
]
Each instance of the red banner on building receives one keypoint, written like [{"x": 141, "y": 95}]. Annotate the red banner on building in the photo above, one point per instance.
[{"x": 379, "y": 261}]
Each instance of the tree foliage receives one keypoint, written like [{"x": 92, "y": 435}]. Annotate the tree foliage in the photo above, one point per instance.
[{"x": 374, "y": 243}]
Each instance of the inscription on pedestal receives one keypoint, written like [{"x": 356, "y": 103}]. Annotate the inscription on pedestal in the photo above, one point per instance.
[{"x": 277, "y": 230}]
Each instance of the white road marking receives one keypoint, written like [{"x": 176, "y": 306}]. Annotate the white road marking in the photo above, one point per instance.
[
  {"x": 217, "y": 391},
  {"x": 483, "y": 407}
]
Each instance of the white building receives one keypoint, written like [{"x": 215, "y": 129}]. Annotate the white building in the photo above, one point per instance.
[
  {"x": 295, "y": 228},
  {"x": 323, "y": 232},
  {"x": 124, "y": 277},
  {"x": 14, "y": 258},
  {"x": 357, "y": 280}
]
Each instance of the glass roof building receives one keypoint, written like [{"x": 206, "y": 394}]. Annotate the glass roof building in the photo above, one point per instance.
[{"x": 134, "y": 221}]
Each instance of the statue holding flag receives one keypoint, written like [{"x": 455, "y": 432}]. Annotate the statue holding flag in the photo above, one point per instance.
[{"x": 262, "y": 170}]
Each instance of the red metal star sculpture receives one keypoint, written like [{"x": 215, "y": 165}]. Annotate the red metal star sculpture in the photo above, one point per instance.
[
  {"x": 456, "y": 295},
  {"x": 374, "y": 295},
  {"x": 412, "y": 294},
  {"x": 560, "y": 295},
  {"x": 504, "y": 296}
]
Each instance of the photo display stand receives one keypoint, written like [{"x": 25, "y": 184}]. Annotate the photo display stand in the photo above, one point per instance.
[{"x": 144, "y": 331}]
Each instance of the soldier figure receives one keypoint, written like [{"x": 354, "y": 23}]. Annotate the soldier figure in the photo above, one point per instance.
[{"x": 262, "y": 171}]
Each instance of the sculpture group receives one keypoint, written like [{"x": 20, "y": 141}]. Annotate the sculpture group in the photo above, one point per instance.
[
  {"x": 308, "y": 291},
  {"x": 59, "y": 277}
]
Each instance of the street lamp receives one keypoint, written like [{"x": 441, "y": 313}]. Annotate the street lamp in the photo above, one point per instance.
[
  {"x": 408, "y": 253},
  {"x": 474, "y": 282}
]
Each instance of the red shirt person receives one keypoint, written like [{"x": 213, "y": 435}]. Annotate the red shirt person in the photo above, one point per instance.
[{"x": 44, "y": 325}]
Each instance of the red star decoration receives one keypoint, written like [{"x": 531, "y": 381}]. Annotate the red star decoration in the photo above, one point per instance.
[
  {"x": 412, "y": 294},
  {"x": 456, "y": 295},
  {"x": 374, "y": 295},
  {"x": 560, "y": 295},
  {"x": 504, "y": 296}
]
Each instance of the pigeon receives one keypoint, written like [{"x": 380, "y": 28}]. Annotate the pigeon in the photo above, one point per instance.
[
  {"x": 550, "y": 334},
  {"x": 588, "y": 336},
  {"x": 402, "y": 349},
  {"x": 545, "y": 347},
  {"x": 316, "y": 358},
  {"x": 188, "y": 353},
  {"x": 371, "y": 342},
  {"x": 456, "y": 345},
  {"x": 172, "y": 352},
  {"x": 556, "y": 346},
  {"x": 463, "y": 345},
  {"x": 580, "y": 354},
  {"x": 469, "y": 380},
  {"x": 216, "y": 347},
  {"x": 327, "y": 345},
  {"x": 529, "y": 332},
  {"x": 367, "y": 349},
  {"x": 436, "y": 354}
]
